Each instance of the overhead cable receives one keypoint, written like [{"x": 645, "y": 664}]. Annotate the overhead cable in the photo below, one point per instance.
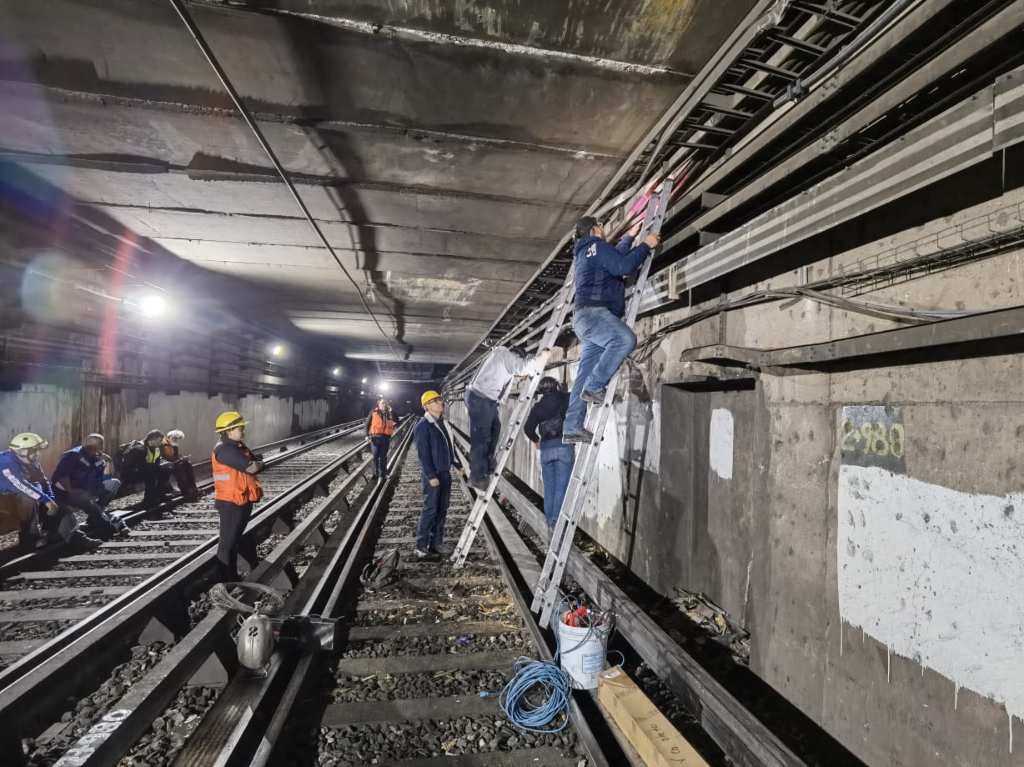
[{"x": 193, "y": 30}]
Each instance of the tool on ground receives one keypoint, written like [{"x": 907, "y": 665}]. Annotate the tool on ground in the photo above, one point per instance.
[
  {"x": 560, "y": 308},
  {"x": 262, "y": 631},
  {"x": 547, "y": 589},
  {"x": 381, "y": 572}
]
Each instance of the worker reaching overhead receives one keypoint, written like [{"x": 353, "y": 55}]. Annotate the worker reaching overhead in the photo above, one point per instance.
[
  {"x": 601, "y": 272},
  {"x": 235, "y": 490},
  {"x": 482, "y": 396}
]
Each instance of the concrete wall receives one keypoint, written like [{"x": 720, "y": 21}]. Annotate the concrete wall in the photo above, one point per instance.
[
  {"x": 63, "y": 415},
  {"x": 865, "y": 526}
]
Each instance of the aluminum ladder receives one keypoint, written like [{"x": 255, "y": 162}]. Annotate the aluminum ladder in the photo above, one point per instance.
[{"x": 545, "y": 594}]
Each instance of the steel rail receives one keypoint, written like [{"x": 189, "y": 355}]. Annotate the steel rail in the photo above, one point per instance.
[
  {"x": 47, "y": 553},
  {"x": 110, "y": 740},
  {"x": 742, "y": 737},
  {"x": 267, "y": 702},
  {"x": 51, "y": 673}
]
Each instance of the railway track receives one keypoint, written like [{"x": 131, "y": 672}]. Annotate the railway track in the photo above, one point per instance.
[
  {"x": 411, "y": 677},
  {"x": 83, "y": 618}
]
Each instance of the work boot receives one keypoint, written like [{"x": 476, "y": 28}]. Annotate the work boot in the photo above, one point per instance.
[
  {"x": 583, "y": 436},
  {"x": 79, "y": 541},
  {"x": 594, "y": 397},
  {"x": 442, "y": 551},
  {"x": 479, "y": 483},
  {"x": 426, "y": 556}
]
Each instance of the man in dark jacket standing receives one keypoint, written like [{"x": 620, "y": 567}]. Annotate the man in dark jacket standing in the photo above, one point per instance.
[
  {"x": 601, "y": 272},
  {"x": 436, "y": 451},
  {"x": 544, "y": 429}
]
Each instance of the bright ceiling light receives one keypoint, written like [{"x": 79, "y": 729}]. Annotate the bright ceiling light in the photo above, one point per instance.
[
  {"x": 152, "y": 305},
  {"x": 384, "y": 387},
  {"x": 277, "y": 350},
  {"x": 335, "y": 372},
  {"x": 364, "y": 380}
]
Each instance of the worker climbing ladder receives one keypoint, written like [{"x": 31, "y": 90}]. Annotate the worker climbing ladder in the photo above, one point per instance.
[
  {"x": 653, "y": 216},
  {"x": 545, "y": 593}
]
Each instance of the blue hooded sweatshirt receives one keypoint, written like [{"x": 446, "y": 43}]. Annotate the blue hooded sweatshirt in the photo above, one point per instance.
[
  {"x": 17, "y": 478},
  {"x": 601, "y": 272}
]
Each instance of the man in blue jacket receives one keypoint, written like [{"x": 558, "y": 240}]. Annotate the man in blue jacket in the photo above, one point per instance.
[
  {"x": 26, "y": 494},
  {"x": 601, "y": 272},
  {"x": 436, "y": 450},
  {"x": 82, "y": 480}
]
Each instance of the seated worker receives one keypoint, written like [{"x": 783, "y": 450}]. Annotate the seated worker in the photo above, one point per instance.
[
  {"x": 601, "y": 272},
  {"x": 380, "y": 425},
  {"x": 181, "y": 465},
  {"x": 544, "y": 429},
  {"x": 26, "y": 496},
  {"x": 235, "y": 490},
  {"x": 82, "y": 480},
  {"x": 156, "y": 472},
  {"x": 436, "y": 451},
  {"x": 482, "y": 396}
]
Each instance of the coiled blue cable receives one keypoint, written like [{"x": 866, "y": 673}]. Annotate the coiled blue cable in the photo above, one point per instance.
[{"x": 554, "y": 692}]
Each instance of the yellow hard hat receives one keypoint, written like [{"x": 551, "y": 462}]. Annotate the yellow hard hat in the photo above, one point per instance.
[
  {"x": 28, "y": 440},
  {"x": 230, "y": 419},
  {"x": 429, "y": 396}
]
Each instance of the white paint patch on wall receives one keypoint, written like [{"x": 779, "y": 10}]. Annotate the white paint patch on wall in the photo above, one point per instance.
[
  {"x": 720, "y": 443},
  {"x": 936, "y": 574}
]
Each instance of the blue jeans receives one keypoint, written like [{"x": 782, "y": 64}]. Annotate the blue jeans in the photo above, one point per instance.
[
  {"x": 607, "y": 341},
  {"x": 430, "y": 530},
  {"x": 379, "y": 444},
  {"x": 484, "y": 433},
  {"x": 556, "y": 462}
]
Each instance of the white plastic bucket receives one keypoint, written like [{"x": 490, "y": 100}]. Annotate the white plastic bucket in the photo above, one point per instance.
[{"x": 583, "y": 653}]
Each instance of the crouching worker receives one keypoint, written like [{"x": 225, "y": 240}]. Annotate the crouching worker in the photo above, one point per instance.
[
  {"x": 83, "y": 481},
  {"x": 181, "y": 465},
  {"x": 544, "y": 429},
  {"x": 156, "y": 472},
  {"x": 236, "y": 489},
  {"x": 26, "y": 496},
  {"x": 436, "y": 452},
  {"x": 482, "y": 395},
  {"x": 601, "y": 272}
]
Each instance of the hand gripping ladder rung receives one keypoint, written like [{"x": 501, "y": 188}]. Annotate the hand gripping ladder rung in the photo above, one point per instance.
[
  {"x": 545, "y": 594},
  {"x": 559, "y": 312}
]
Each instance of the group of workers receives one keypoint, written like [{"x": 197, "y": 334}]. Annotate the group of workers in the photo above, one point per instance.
[
  {"x": 42, "y": 508},
  {"x": 557, "y": 420}
]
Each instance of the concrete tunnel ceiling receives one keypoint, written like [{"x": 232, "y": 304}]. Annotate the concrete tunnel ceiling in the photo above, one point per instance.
[{"x": 443, "y": 145}]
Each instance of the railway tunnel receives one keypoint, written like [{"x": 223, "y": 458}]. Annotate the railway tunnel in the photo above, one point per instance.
[{"x": 801, "y": 501}]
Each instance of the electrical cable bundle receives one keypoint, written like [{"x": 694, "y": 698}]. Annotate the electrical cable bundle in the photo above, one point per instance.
[{"x": 536, "y": 698}]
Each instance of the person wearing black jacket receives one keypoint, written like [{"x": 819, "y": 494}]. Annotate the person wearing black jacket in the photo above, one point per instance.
[{"x": 544, "y": 429}]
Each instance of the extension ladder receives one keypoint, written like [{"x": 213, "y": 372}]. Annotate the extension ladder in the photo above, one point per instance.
[
  {"x": 545, "y": 593},
  {"x": 654, "y": 215}
]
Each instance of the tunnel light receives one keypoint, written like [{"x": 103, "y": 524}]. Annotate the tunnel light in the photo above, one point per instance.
[
  {"x": 364, "y": 380},
  {"x": 335, "y": 372},
  {"x": 277, "y": 350},
  {"x": 362, "y": 394},
  {"x": 384, "y": 387},
  {"x": 153, "y": 305}
]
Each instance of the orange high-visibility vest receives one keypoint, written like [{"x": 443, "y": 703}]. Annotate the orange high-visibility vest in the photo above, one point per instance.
[
  {"x": 381, "y": 427},
  {"x": 232, "y": 485}
]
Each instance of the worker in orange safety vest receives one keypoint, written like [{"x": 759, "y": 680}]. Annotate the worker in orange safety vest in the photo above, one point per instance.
[
  {"x": 235, "y": 490},
  {"x": 380, "y": 425}
]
